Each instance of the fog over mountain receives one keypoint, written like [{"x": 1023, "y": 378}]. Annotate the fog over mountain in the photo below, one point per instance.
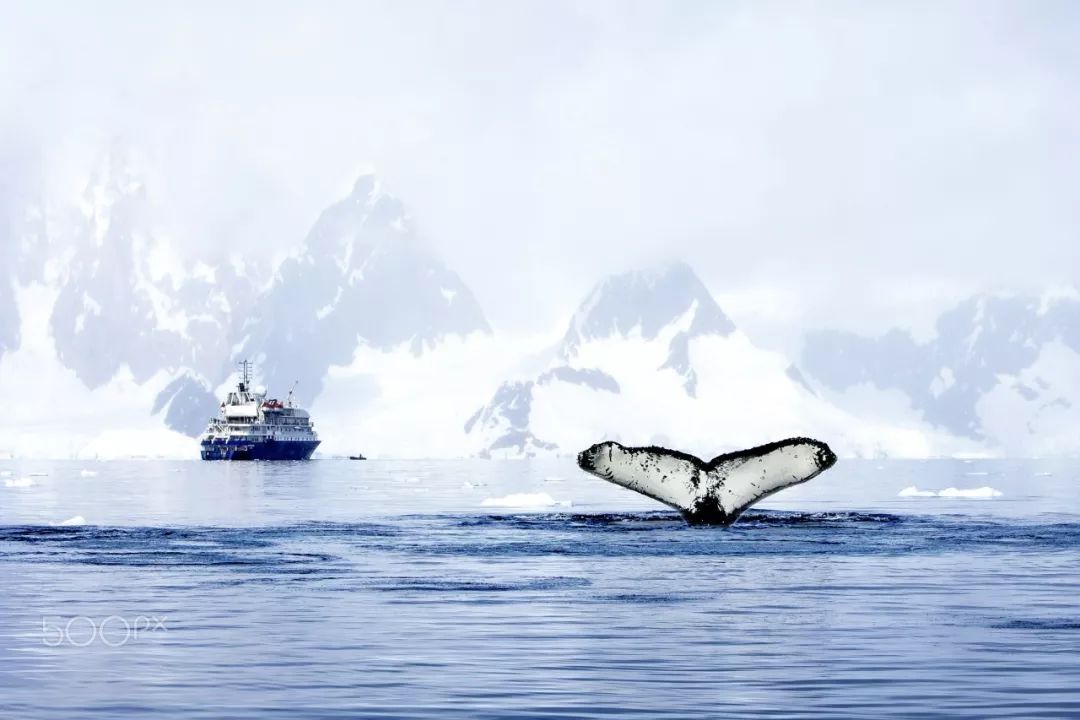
[{"x": 741, "y": 219}]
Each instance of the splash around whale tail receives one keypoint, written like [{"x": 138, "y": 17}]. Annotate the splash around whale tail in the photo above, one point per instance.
[{"x": 709, "y": 493}]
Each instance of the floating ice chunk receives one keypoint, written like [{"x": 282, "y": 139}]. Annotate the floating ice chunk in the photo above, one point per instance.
[
  {"x": 88, "y": 473},
  {"x": 411, "y": 480},
  {"x": 71, "y": 522},
  {"x": 915, "y": 492},
  {"x": 982, "y": 492},
  {"x": 18, "y": 482},
  {"x": 1044, "y": 474},
  {"x": 5, "y": 473},
  {"x": 524, "y": 500},
  {"x": 39, "y": 474},
  {"x": 977, "y": 473},
  {"x": 554, "y": 479}
]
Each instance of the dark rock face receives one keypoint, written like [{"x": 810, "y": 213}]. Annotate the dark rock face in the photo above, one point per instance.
[
  {"x": 649, "y": 301},
  {"x": 509, "y": 409},
  {"x": 589, "y": 377},
  {"x": 522, "y": 442},
  {"x": 188, "y": 403},
  {"x": 512, "y": 402},
  {"x": 361, "y": 276},
  {"x": 977, "y": 341},
  {"x": 679, "y": 361}
]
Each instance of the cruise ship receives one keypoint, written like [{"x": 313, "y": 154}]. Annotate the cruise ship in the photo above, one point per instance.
[{"x": 254, "y": 427}]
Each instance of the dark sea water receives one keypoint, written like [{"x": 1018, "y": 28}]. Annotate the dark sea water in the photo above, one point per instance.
[{"x": 389, "y": 589}]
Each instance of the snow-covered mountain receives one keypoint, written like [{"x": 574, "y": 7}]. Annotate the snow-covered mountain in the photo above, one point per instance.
[
  {"x": 111, "y": 343},
  {"x": 1001, "y": 370},
  {"x": 106, "y": 333},
  {"x": 103, "y": 316},
  {"x": 124, "y": 299},
  {"x": 650, "y": 358},
  {"x": 361, "y": 277}
]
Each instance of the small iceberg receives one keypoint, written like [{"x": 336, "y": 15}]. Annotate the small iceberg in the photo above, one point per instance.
[
  {"x": 5, "y": 473},
  {"x": 982, "y": 492},
  {"x": 71, "y": 522},
  {"x": 915, "y": 492},
  {"x": 525, "y": 500},
  {"x": 87, "y": 473},
  {"x": 18, "y": 482}
]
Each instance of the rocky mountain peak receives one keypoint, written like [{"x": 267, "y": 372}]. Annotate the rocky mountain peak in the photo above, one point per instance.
[{"x": 646, "y": 302}]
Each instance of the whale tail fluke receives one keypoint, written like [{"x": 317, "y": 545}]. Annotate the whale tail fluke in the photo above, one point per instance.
[{"x": 712, "y": 493}]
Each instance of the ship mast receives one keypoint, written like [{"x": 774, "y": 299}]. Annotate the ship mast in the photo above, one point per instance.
[{"x": 245, "y": 375}]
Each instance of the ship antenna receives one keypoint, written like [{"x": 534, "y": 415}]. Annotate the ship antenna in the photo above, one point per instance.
[
  {"x": 295, "y": 383},
  {"x": 245, "y": 375}
]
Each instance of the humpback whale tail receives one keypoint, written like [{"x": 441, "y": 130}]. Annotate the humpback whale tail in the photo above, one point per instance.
[{"x": 709, "y": 493}]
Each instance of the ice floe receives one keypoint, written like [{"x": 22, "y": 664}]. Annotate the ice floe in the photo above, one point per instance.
[
  {"x": 24, "y": 482},
  {"x": 525, "y": 500},
  {"x": 981, "y": 492},
  {"x": 915, "y": 492}
]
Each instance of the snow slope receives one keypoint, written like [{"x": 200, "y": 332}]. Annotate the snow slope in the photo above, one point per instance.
[
  {"x": 649, "y": 358},
  {"x": 51, "y": 412}
]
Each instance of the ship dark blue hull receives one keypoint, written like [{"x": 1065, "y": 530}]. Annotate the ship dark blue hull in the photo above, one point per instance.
[{"x": 238, "y": 449}]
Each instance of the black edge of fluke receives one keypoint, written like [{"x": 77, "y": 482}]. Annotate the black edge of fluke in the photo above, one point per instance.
[{"x": 706, "y": 507}]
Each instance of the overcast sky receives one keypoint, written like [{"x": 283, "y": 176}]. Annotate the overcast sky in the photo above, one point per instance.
[{"x": 847, "y": 164}]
